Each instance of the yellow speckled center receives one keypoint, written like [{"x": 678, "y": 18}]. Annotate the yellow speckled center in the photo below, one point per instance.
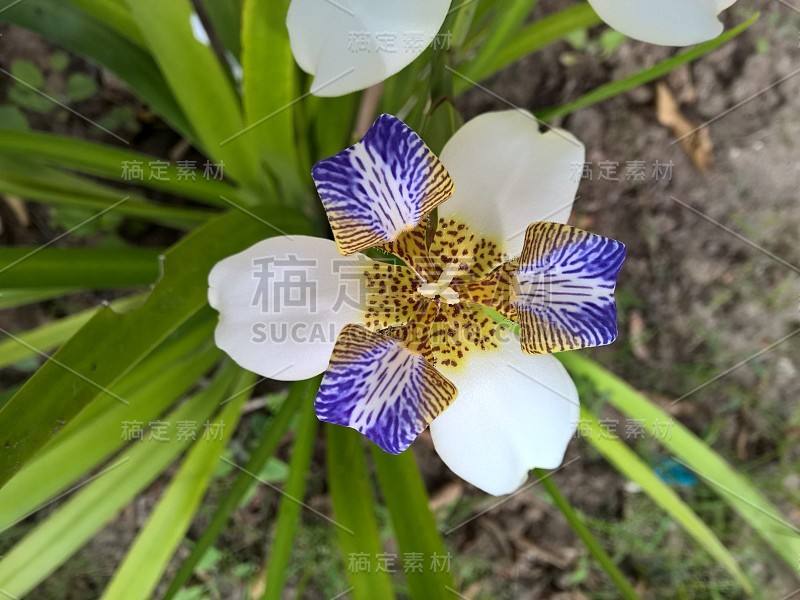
[{"x": 433, "y": 303}]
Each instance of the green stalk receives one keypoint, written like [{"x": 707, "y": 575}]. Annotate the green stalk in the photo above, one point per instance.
[
  {"x": 291, "y": 503},
  {"x": 579, "y": 527},
  {"x": 301, "y": 393}
]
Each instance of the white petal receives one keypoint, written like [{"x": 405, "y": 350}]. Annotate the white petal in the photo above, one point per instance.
[
  {"x": 283, "y": 302},
  {"x": 350, "y": 45},
  {"x": 513, "y": 412},
  {"x": 665, "y": 22},
  {"x": 508, "y": 175}
]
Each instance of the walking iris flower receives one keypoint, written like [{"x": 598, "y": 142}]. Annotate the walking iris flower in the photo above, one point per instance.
[
  {"x": 350, "y": 45},
  {"x": 410, "y": 343}
]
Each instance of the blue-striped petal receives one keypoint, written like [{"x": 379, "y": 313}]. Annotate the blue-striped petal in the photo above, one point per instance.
[
  {"x": 381, "y": 187},
  {"x": 381, "y": 389},
  {"x": 566, "y": 279}
]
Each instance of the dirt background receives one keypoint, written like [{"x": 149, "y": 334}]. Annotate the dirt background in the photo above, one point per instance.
[{"x": 709, "y": 305}]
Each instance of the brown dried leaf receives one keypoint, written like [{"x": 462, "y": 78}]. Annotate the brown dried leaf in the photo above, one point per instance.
[
  {"x": 17, "y": 206},
  {"x": 696, "y": 141},
  {"x": 446, "y": 495}
]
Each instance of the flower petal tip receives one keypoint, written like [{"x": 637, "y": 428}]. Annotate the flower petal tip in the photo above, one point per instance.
[
  {"x": 670, "y": 23},
  {"x": 350, "y": 45},
  {"x": 380, "y": 187},
  {"x": 382, "y": 390},
  {"x": 566, "y": 279}
]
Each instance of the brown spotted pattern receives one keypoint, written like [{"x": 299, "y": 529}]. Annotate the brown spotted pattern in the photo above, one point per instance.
[
  {"x": 496, "y": 291},
  {"x": 412, "y": 249},
  {"x": 443, "y": 333},
  {"x": 390, "y": 296},
  {"x": 455, "y": 243}
]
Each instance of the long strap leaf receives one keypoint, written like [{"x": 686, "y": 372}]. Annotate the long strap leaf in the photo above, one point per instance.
[
  {"x": 414, "y": 526},
  {"x": 150, "y": 554},
  {"x": 732, "y": 486},
  {"x": 110, "y": 345},
  {"x": 353, "y": 501},
  {"x": 302, "y": 392}
]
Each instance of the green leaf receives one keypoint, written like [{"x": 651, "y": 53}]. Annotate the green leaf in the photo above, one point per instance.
[
  {"x": 43, "y": 184},
  {"x": 114, "y": 14},
  {"x": 80, "y": 87},
  {"x": 634, "y": 468},
  {"x": 14, "y": 298},
  {"x": 150, "y": 554},
  {"x": 291, "y": 503},
  {"x": 55, "y": 539},
  {"x": 64, "y": 25},
  {"x": 84, "y": 224},
  {"x": 209, "y": 101},
  {"x": 51, "y": 335},
  {"x": 732, "y": 487},
  {"x": 28, "y": 99},
  {"x": 529, "y": 39},
  {"x": 270, "y": 85},
  {"x": 579, "y": 527},
  {"x": 463, "y": 21},
  {"x": 609, "y": 90},
  {"x": 302, "y": 393},
  {"x": 59, "y": 61},
  {"x": 505, "y": 22},
  {"x": 28, "y": 72},
  {"x": 120, "y": 118},
  {"x": 110, "y": 345},
  {"x": 12, "y": 119},
  {"x": 353, "y": 502},
  {"x": 413, "y": 524},
  {"x": 31, "y": 268},
  {"x": 333, "y": 123},
  {"x": 6, "y": 395},
  {"x": 226, "y": 15},
  {"x": 116, "y": 164},
  {"x": 100, "y": 430}
]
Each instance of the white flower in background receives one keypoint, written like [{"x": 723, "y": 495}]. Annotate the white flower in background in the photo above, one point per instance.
[
  {"x": 407, "y": 345},
  {"x": 665, "y": 22},
  {"x": 350, "y": 45},
  {"x": 199, "y": 30}
]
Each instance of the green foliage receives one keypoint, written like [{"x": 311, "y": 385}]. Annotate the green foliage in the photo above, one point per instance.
[
  {"x": 26, "y": 89},
  {"x": 732, "y": 486},
  {"x": 150, "y": 356},
  {"x": 27, "y": 73},
  {"x": 353, "y": 507},
  {"x": 660, "y": 69},
  {"x": 80, "y": 87},
  {"x": 636, "y": 470},
  {"x": 291, "y": 503},
  {"x": 12, "y": 118},
  {"x": 579, "y": 527},
  {"x": 413, "y": 524}
]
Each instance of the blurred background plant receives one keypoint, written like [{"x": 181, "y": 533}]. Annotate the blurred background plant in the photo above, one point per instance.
[{"x": 138, "y": 462}]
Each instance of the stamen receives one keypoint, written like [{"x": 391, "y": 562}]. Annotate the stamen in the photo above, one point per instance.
[{"x": 442, "y": 287}]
